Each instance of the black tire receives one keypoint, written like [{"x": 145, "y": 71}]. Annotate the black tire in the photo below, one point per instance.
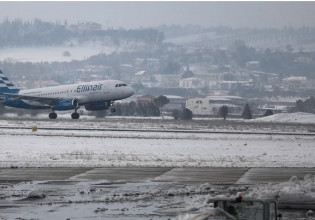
[
  {"x": 52, "y": 115},
  {"x": 75, "y": 115}
]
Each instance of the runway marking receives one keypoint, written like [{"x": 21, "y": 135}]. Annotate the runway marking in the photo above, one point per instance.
[
  {"x": 160, "y": 131},
  {"x": 273, "y": 175},
  {"x": 215, "y": 175}
]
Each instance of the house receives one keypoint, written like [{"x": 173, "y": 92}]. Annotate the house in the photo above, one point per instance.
[
  {"x": 145, "y": 99},
  {"x": 142, "y": 76},
  {"x": 167, "y": 80},
  {"x": 191, "y": 83},
  {"x": 295, "y": 82},
  {"x": 175, "y": 102},
  {"x": 211, "y": 104}
]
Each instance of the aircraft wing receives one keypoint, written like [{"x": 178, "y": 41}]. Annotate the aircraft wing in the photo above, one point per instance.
[{"x": 44, "y": 100}]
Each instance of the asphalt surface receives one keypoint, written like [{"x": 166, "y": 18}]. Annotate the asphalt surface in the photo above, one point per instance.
[
  {"x": 141, "y": 174},
  {"x": 129, "y": 192},
  {"x": 310, "y": 133}
]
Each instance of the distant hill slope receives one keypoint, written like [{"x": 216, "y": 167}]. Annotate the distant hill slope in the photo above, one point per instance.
[{"x": 297, "y": 117}]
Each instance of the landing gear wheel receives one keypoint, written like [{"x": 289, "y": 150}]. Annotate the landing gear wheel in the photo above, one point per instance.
[
  {"x": 113, "y": 110},
  {"x": 52, "y": 115},
  {"x": 75, "y": 115}
]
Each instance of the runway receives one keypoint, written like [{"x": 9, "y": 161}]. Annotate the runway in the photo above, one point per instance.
[
  {"x": 131, "y": 193},
  {"x": 218, "y": 175},
  {"x": 309, "y": 133}
]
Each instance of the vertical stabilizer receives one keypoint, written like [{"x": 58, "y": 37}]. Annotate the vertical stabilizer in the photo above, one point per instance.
[{"x": 6, "y": 85}]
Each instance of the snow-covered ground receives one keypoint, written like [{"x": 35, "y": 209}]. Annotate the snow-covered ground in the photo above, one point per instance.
[
  {"x": 21, "y": 147},
  {"x": 298, "y": 117},
  {"x": 156, "y": 143},
  {"x": 89, "y": 148}
]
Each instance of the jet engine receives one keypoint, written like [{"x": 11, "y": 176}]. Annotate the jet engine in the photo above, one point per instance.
[{"x": 66, "y": 104}]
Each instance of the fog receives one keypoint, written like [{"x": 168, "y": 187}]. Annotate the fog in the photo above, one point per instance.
[{"x": 151, "y": 14}]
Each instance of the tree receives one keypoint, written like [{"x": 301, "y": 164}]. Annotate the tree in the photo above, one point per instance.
[
  {"x": 305, "y": 106},
  {"x": 268, "y": 113},
  {"x": 186, "y": 114},
  {"x": 131, "y": 109},
  {"x": 247, "y": 114},
  {"x": 223, "y": 111},
  {"x": 152, "y": 109},
  {"x": 160, "y": 101},
  {"x": 176, "y": 114}
]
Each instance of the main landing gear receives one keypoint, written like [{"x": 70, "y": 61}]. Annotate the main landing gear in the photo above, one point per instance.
[
  {"x": 75, "y": 115},
  {"x": 52, "y": 115}
]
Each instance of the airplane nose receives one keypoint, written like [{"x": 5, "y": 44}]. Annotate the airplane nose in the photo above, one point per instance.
[{"x": 131, "y": 91}]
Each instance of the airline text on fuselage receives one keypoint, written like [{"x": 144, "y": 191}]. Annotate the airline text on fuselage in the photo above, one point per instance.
[{"x": 87, "y": 88}]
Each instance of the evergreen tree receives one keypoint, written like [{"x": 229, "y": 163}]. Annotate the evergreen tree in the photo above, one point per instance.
[
  {"x": 152, "y": 109},
  {"x": 186, "y": 114},
  {"x": 268, "y": 113},
  {"x": 176, "y": 114},
  {"x": 305, "y": 106},
  {"x": 247, "y": 114},
  {"x": 160, "y": 101},
  {"x": 223, "y": 111}
]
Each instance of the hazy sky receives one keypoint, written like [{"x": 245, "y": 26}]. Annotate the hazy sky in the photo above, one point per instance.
[{"x": 146, "y": 14}]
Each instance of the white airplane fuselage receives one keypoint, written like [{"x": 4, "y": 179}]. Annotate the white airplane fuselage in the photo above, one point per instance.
[
  {"x": 89, "y": 92},
  {"x": 95, "y": 96}
]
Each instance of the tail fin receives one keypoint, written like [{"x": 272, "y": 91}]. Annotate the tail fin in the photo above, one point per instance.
[{"x": 6, "y": 85}]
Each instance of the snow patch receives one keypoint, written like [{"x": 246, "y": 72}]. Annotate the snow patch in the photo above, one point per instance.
[{"x": 297, "y": 117}]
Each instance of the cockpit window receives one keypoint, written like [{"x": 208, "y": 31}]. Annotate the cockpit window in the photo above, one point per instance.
[{"x": 120, "y": 85}]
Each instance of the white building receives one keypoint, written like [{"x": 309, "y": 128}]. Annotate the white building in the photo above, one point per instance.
[
  {"x": 167, "y": 80},
  {"x": 210, "y": 105},
  {"x": 175, "y": 102},
  {"x": 191, "y": 83}
]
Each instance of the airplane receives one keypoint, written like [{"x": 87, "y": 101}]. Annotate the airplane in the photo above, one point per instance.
[{"x": 97, "y": 95}]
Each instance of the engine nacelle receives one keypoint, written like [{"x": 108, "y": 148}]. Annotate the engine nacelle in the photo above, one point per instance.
[
  {"x": 66, "y": 104},
  {"x": 97, "y": 106}
]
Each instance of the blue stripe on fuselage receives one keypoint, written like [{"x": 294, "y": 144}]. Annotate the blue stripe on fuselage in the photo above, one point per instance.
[{"x": 18, "y": 103}]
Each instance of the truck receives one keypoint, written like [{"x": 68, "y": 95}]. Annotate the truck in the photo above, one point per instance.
[{"x": 248, "y": 208}]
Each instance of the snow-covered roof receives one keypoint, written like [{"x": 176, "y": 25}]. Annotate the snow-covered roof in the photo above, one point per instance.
[
  {"x": 140, "y": 73},
  {"x": 224, "y": 97},
  {"x": 173, "y": 97}
]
